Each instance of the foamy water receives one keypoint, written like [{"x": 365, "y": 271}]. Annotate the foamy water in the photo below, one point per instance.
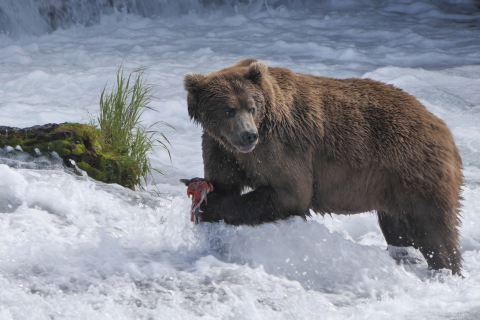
[{"x": 73, "y": 248}]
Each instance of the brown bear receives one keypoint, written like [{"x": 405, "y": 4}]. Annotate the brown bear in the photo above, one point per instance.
[{"x": 303, "y": 142}]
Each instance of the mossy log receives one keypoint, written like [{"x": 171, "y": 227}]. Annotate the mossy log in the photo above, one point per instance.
[{"x": 77, "y": 142}]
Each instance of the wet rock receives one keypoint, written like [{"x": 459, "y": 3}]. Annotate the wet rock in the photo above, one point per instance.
[{"x": 72, "y": 141}]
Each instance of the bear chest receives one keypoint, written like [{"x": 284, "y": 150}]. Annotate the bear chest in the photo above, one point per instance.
[{"x": 261, "y": 169}]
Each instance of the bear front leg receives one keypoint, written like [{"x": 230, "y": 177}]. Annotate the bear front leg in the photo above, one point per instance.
[
  {"x": 261, "y": 205},
  {"x": 221, "y": 168},
  {"x": 264, "y": 204}
]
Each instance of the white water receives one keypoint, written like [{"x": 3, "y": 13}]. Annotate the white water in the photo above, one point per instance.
[{"x": 72, "y": 248}]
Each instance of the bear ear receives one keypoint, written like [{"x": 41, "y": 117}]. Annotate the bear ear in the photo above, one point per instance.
[
  {"x": 256, "y": 70},
  {"x": 193, "y": 81},
  {"x": 244, "y": 63}
]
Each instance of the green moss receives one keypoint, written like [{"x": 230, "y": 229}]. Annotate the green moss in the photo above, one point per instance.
[
  {"x": 62, "y": 147},
  {"x": 92, "y": 172},
  {"x": 70, "y": 141},
  {"x": 82, "y": 132},
  {"x": 78, "y": 149},
  {"x": 118, "y": 169}
]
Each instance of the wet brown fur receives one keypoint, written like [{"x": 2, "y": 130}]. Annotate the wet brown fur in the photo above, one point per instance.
[{"x": 331, "y": 146}]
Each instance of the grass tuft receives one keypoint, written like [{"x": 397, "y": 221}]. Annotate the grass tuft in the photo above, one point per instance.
[{"x": 122, "y": 132}]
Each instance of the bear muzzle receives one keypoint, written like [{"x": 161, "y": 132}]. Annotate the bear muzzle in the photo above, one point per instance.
[{"x": 248, "y": 139}]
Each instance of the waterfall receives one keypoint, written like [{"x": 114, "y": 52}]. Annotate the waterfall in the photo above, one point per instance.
[{"x": 37, "y": 17}]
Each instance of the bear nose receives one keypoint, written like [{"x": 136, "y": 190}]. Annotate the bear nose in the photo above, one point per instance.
[{"x": 249, "y": 137}]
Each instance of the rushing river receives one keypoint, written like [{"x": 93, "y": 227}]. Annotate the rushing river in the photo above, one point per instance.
[{"x": 73, "y": 248}]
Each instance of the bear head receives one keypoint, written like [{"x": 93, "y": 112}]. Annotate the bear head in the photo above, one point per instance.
[{"x": 230, "y": 103}]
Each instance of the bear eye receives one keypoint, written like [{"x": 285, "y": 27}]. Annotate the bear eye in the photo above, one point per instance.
[{"x": 229, "y": 112}]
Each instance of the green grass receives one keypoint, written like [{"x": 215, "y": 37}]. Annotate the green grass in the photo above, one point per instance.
[{"x": 122, "y": 132}]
